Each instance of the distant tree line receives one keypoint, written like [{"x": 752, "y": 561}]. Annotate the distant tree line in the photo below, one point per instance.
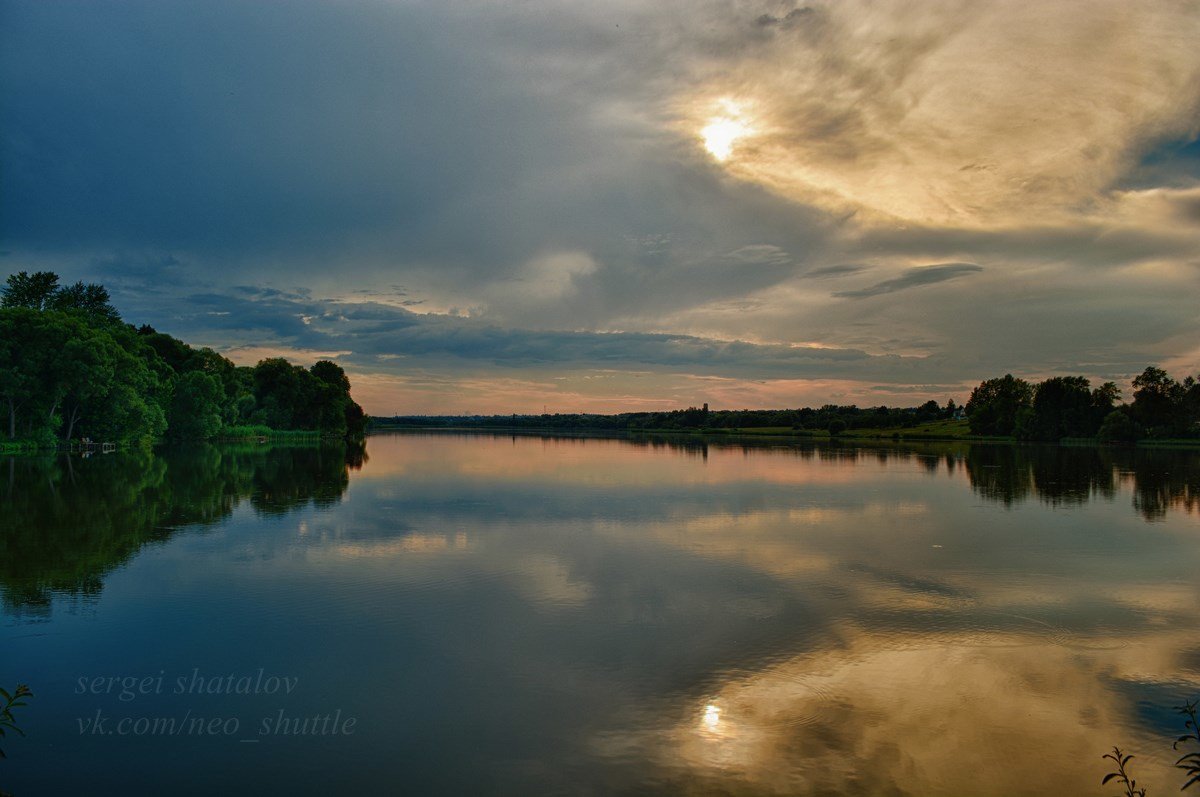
[
  {"x": 1068, "y": 406},
  {"x": 830, "y": 417},
  {"x": 70, "y": 368},
  {"x": 1056, "y": 408}
]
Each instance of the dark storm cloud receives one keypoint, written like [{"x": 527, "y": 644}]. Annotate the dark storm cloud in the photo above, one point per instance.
[
  {"x": 375, "y": 139},
  {"x": 914, "y": 278},
  {"x": 224, "y": 127},
  {"x": 393, "y": 339}
]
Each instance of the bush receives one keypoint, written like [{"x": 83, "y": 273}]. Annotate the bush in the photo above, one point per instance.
[{"x": 1118, "y": 427}]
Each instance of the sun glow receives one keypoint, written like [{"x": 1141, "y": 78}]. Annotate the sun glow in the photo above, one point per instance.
[{"x": 724, "y": 130}]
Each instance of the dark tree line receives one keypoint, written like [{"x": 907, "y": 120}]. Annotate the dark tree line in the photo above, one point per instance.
[
  {"x": 70, "y": 368},
  {"x": 828, "y": 418},
  {"x": 1068, "y": 406}
]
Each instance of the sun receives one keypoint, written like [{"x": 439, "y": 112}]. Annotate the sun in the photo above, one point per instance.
[{"x": 724, "y": 130}]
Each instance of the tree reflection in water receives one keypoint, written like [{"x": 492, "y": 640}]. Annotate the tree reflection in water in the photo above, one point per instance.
[{"x": 68, "y": 521}]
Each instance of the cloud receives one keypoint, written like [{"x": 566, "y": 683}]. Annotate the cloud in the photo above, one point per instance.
[
  {"x": 913, "y": 278},
  {"x": 826, "y": 272},
  {"x": 966, "y": 114},
  {"x": 759, "y": 254}
]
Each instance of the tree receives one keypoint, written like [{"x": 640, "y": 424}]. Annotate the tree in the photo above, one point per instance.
[
  {"x": 59, "y": 372},
  {"x": 90, "y": 300},
  {"x": 196, "y": 407},
  {"x": 18, "y": 383},
  {"x": 1156, "y": 399},
  {"x": 33, "y": 291},
  {"x": 1191, "y": 402},
  {"x": 86, "y": 368},
  {"x": 333, "y": 397},
  {"x": 331, "y": 374},
  {"x": 40, "y": 291},
  {"x": 1118, "y": 427},
  {"x": 929, "y": 411},
  {"x": 48, "y": 362},
  {"x": 992, "y": 408},
  {"x": 1062, "y": 407},
  {"x": 68, "y": 364},
  {"x": 279, "y": 390}
]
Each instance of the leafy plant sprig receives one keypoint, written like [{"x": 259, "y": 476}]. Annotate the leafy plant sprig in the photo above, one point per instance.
[
  {"x": 1189, "y": 763},
  {"x": 11, "y": 701},
  {"x": 1121, "y": 775}
]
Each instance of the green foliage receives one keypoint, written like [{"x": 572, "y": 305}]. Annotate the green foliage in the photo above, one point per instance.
[
  {"x": 196, "y": 407},
  {"x": 1118, "y": 427},
  {"x": 11, "y": 700},
  {"x": 1063, "y": 407},
  {"x": 69, "y": 369},
  {"x": 40, "y": 291},
  {"x": 1166, "y": 408},
  {"x": 32, "y": 291},
  {"x": 994, "y": 404},
  {"x": 318, "y": 399},
  {"x": 1066, "y": 407},
  {"x": 60, "y": 375},
  {"x": 91, "y": 300},
  {"x": 837, "y": 426}
]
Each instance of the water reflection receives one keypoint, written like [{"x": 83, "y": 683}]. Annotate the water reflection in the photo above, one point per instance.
[
  {"x": 1161, "y": 479},
  {"x": 67, "y": 521},
  {"x": 554, "y": 615}
]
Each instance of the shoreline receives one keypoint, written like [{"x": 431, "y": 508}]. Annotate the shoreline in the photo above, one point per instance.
[
  {"x": 10, "y": 448},
  {"x": 873, "y": 436},
  {"x": 768, "y": 434}
]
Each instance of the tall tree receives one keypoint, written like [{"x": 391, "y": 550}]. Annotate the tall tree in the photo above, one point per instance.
[
  {"x": 196, "y": 407},
  {"x": 1156, "y": 399},
  {"x": 18, "y": 381},
  {"x": 1063, "y": 406},
  {"x": 35, "y": 291},
  {"x": 91, "y": 300},
  {"x": 994, "y": 404}
]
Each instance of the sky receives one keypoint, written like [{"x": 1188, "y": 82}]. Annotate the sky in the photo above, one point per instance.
[{"x": 480, "y": 207}]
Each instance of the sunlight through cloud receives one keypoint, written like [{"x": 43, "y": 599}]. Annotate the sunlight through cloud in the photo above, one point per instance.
[{"x": 724, "y": 130}]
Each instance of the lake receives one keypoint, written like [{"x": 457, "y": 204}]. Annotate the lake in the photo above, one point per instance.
[{"x": 491, "y": 614}]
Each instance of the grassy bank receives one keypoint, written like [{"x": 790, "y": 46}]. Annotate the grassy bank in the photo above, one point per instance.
[
  {"x": 17, "y": 447},
  {"x": 258, "y": 432}
]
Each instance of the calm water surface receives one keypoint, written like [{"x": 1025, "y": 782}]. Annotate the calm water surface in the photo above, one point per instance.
[{"x": 500, "y": 615}]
